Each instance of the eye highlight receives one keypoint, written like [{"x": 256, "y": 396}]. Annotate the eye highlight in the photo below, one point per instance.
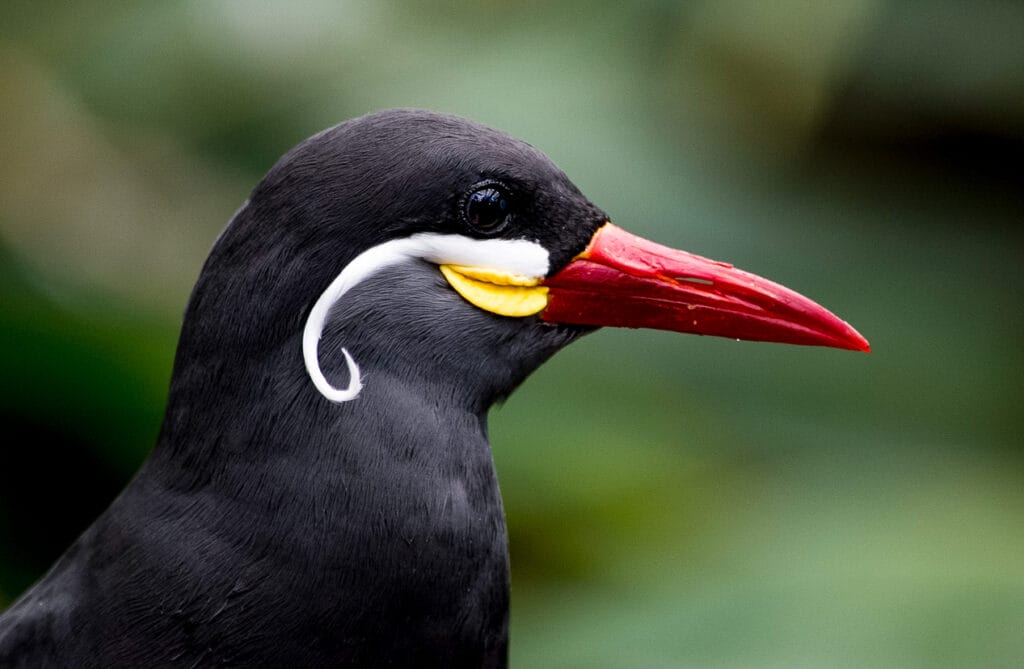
[{"x": 488, "y": 207}]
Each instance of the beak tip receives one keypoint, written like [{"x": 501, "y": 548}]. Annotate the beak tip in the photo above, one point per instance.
[{"x": 855, "y": 341}]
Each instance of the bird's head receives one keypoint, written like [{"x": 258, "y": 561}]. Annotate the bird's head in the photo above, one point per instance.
[{"x": 408, "y": 246}]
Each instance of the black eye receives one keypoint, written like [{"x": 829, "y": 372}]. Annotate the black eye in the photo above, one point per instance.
[{"x": 488, "y": 208}]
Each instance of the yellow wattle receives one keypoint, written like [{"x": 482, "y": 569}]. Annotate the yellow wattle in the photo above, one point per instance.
[{"x": 501, "y": 293}]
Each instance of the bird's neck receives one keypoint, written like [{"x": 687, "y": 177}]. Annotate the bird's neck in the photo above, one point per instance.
[
  {"x": 389, "y": 503},
  {"x": 406, "y": 439}
]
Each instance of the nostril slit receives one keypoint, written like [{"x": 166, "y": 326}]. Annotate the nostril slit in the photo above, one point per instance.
[{"x": 693, "y": 279}]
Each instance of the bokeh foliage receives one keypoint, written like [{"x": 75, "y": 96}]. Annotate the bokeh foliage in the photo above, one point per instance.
[{"x": 672, "y": 501}]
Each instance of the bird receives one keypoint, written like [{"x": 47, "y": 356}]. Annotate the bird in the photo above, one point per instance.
[{"x": 322, "y": 490}]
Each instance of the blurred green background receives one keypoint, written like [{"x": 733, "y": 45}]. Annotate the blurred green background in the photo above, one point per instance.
[{"x": 673, "y": 501}]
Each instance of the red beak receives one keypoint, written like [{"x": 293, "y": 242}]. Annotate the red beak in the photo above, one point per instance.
[{"x": 626, "y": 281}]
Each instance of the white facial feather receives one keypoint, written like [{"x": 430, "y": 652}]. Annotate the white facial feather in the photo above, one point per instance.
[{"x": 518, "y": 256}]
